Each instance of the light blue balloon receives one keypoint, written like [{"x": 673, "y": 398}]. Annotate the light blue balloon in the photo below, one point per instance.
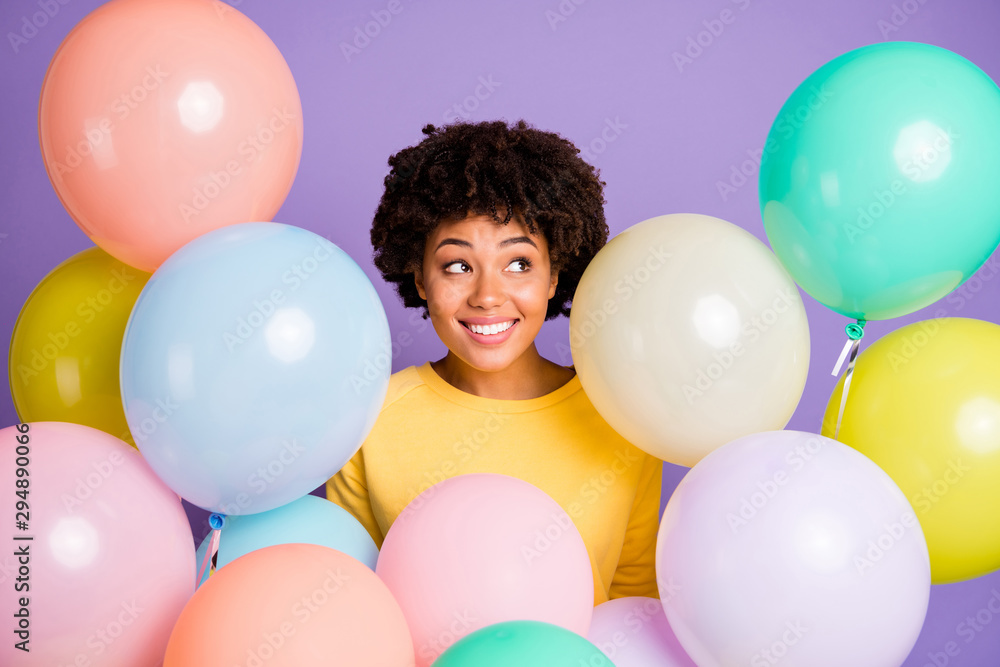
[
  {"x": 308, "y": 520},
  {"x": 254, "y": 364}
]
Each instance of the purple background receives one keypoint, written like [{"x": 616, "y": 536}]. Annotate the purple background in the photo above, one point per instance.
[{"x": 607, "y": 61}]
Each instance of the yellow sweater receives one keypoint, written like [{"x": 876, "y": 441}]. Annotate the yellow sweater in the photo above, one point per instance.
[{"x": 429, "y": 430}]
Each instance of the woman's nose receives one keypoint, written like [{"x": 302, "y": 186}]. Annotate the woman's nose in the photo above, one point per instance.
[{"x": 488, "y": 291}]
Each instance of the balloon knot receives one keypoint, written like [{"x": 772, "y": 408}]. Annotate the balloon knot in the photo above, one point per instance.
[
  {"x": 855, "y": 330},
  {"x": 217, "y": 521}
]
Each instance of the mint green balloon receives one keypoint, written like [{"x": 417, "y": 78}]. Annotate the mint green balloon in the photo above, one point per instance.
[
  {"x": 879, "y": 183},
  {"x": 525, "y": 644}
]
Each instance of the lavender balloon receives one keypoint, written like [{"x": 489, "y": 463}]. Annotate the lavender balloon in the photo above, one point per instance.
[
  {"x": 792, "y": 548},
  {"x": 633, "y": 632}
]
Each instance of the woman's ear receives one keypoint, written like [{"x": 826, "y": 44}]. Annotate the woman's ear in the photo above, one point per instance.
[
  {"x": 418, "y": 280},
  {"x": 553, "y": 282}
]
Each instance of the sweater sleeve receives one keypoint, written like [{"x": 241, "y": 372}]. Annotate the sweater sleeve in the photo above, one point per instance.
[
  {"x": 349, "y": 489},
  {"x": 636, "y": 572}
]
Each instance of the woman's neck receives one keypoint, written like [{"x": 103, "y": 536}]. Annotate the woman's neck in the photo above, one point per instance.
[{"x": 530, "y": 376}]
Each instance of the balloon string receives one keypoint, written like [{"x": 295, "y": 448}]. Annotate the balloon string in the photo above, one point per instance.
[
  {"x": 216, "y": 521},
  {"x": 853, "y": 344}
]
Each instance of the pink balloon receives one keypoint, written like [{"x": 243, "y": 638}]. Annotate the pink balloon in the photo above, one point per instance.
[
  {"x": 110, "y": 563},
  {"x": 791, "y": 548},
  {"x": 480, "y": 549},
  {"x": 161, "y": 120},
  {"x": 633, "y": 632}
]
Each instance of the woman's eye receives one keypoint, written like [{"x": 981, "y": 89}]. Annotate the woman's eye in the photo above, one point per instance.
[
  {"x": 525, "y": 264},
  {"x": 448, "y": 267}
]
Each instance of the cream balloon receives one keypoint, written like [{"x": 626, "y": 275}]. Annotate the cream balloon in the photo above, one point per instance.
[{"x": 687, "y": 333}]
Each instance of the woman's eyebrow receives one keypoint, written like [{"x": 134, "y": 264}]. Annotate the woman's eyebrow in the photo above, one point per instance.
[{"x": 502, "y": 244}]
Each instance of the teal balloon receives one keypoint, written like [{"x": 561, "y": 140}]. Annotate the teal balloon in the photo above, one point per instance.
[
  {"x": 878, "y": 185},
  {"x": 254, "y": 364},
  {"x": 308, "y": 520},
  {"x": 525, "y": 644}
]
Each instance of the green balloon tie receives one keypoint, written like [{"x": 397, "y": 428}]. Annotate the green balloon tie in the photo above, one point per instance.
[{"x": 855, "y": 331}]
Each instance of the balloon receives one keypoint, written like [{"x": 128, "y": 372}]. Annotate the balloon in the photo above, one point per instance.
[
  {"x": 525, "y": 644},
  {"x": 790, "y": 546},
  {"x": 924, "y": 404},
  {"x": 104, "y": 556},
  {"x": 877, "y": 181},
  {"x": 484, "y": 548},
  {"x": 254, "y": 364},
  {"x": 291, "y": 605},
  {"x": 160, "y": 121},
  {"x": 66, "y": 343},
  {"x": 308, "y": 520},
  {"x": 686, "y": 333},
  {"x": 633, "y": 632}
]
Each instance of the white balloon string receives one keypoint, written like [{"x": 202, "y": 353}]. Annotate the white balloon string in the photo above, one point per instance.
[
  {"x": 843, "y": 355},
  {"x": 855, "y": 344},
  {"x": 854, "y": 331}
]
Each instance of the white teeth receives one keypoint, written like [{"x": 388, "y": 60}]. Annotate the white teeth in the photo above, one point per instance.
[{"x": 491, "y": 329}]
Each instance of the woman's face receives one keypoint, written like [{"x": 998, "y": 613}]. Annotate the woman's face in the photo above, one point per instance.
[{"x": 477, "y": 272}]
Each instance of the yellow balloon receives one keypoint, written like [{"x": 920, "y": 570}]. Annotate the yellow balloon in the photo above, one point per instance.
[
  {"x": 66, "y": 345},
  {"x": 924, "y": 404}
]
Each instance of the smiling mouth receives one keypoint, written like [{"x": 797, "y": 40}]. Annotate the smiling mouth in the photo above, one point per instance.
[{"x": 490, "y": 329}]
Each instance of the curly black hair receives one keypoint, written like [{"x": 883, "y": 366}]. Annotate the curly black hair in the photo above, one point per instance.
[{"x": 467, "y": 169}]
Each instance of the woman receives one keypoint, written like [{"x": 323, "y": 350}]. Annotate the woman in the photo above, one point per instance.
[{"x": 488, "y": 229}]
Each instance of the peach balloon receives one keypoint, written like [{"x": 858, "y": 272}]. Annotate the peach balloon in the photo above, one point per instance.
[
  {"x": 480, "y": 549},
  {"x": 160, "y": 120},
  {"x": 291, "y": 605}
]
